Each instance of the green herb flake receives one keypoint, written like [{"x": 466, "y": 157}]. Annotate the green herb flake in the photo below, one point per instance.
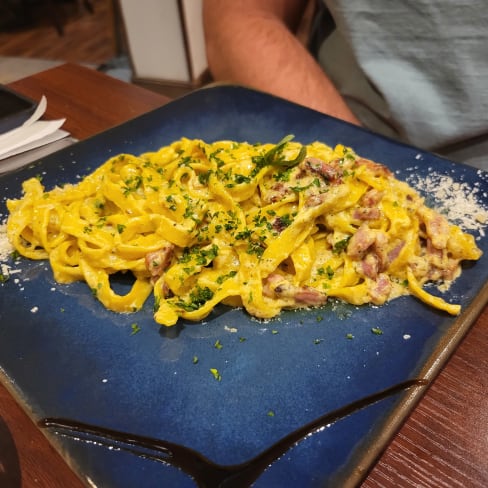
[
  {"x": 329, "y": 272},
  {"x": 245, "y": 234},
  {"x": 318, "y": 341},
  {"x": 376, "y": 331},
  {"x": 340, "y": 246},
  {"x": 275, "y": 155},
  {"x": 195, "y": 360},
  {"x": 349, "y": 336},
  {"x": 134, "y": 328},
  {"x": 14, "y": 255},
  {"x": 204, "y": 177},
  {"x": 222, "y": 278},
  {"x": 218, "y": 345},
  {"x": 198, "y": 297},
  {"x": 216, "y": 374},
  {"x": 270, "y": 413},
  {"x": 239, "y": 179}
]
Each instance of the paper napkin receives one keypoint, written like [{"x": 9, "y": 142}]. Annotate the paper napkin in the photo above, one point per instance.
[{"x": 32, "y": 133}]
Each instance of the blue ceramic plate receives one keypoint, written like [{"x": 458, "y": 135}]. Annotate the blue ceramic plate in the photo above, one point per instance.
[{"x": 298, "y": 403}]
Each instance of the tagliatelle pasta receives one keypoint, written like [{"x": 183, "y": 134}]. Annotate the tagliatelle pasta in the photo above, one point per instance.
[{"x": 261, "y": 226}]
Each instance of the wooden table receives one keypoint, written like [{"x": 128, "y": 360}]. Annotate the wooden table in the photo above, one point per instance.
[{"x": 444, "y": 442}]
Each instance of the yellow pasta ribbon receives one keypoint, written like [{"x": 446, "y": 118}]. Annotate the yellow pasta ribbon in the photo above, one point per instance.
[{"x": 259, "y": 226}]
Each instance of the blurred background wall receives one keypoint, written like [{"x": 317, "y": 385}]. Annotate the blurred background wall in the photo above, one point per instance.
[{"x": 154, "y": 43}]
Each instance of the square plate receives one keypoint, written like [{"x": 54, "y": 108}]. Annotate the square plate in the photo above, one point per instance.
[{"x": 137, "y": 410}]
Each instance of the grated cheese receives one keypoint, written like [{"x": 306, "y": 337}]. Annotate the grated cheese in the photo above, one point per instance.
[
  {"x": 462, "y": 203},
  {"x": 6, "y": 248}
]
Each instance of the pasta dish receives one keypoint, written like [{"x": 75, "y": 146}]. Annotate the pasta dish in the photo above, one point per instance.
[{"x": 265, "y": 227}]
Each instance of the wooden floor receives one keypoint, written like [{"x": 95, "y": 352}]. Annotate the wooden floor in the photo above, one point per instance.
[{"x": 87, "y": 38}]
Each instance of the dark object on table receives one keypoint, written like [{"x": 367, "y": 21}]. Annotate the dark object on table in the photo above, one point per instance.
[{"x": 15, "y": 109}]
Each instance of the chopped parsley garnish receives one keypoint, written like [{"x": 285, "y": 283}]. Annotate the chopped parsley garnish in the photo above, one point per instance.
[
  {"x": 198, "y": 297},
  {"x": 204, "y": 177},
  {"x": 282, "y": 222},
  {"x": 239, "y": 179},
  {"x": 156, "y": 303},
  {"x": 255, "y": 248},
  {"x": 135, "y": 329},
  {"x": 225, "y": 277},
  {"x": 341, "y": 245},
  {"x": 376, "y": 330},
  {"x": 132, "y": 184},
  {"x": 283, "y": 176},
  {"x": 329, "y": 272},
  {"x": 245, "y": 234},
  {"x": 216, "y": 374},
  {"x": 201, "y": 256},
  {"x": 95, "y": 290},
  {"x": 14, "y": 255}
]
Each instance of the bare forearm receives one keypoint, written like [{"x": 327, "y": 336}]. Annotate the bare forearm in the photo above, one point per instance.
[{"x": 254, "y": 47}]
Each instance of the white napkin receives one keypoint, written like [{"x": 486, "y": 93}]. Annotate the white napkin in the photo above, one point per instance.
[{"x": 32, "y": 133}]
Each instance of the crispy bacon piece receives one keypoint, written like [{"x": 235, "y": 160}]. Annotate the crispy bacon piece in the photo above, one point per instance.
[
  {"x": 376, "y": 168},
  {"x": 158, "y": 261},
  {"x": 370, "y": 247},
  {"x": 368, "y": 209},
  {"x": 277, "y": 192},
  {"x": 370, "y": 266},
  {"x": 277, "y": 286},
  {"x": 382, "y": 289},
  {"x": 327, "y": 170},
  {"x": 371, "y": 198},
  {"x": 360, "y": 242},
  {"x": 367, "y": 213},
  {"x": 395, "y": 252},
  {"x": 314, "y": 199}
]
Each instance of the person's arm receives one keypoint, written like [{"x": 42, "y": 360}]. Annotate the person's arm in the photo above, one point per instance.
[{"x": 252, "y": 42}]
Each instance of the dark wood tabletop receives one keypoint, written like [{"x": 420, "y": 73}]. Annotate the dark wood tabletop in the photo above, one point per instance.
[{"x": 443, "y": 443}]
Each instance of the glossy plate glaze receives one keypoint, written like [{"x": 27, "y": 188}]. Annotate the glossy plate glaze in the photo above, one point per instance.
[{"x": 308, "y": 404}]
